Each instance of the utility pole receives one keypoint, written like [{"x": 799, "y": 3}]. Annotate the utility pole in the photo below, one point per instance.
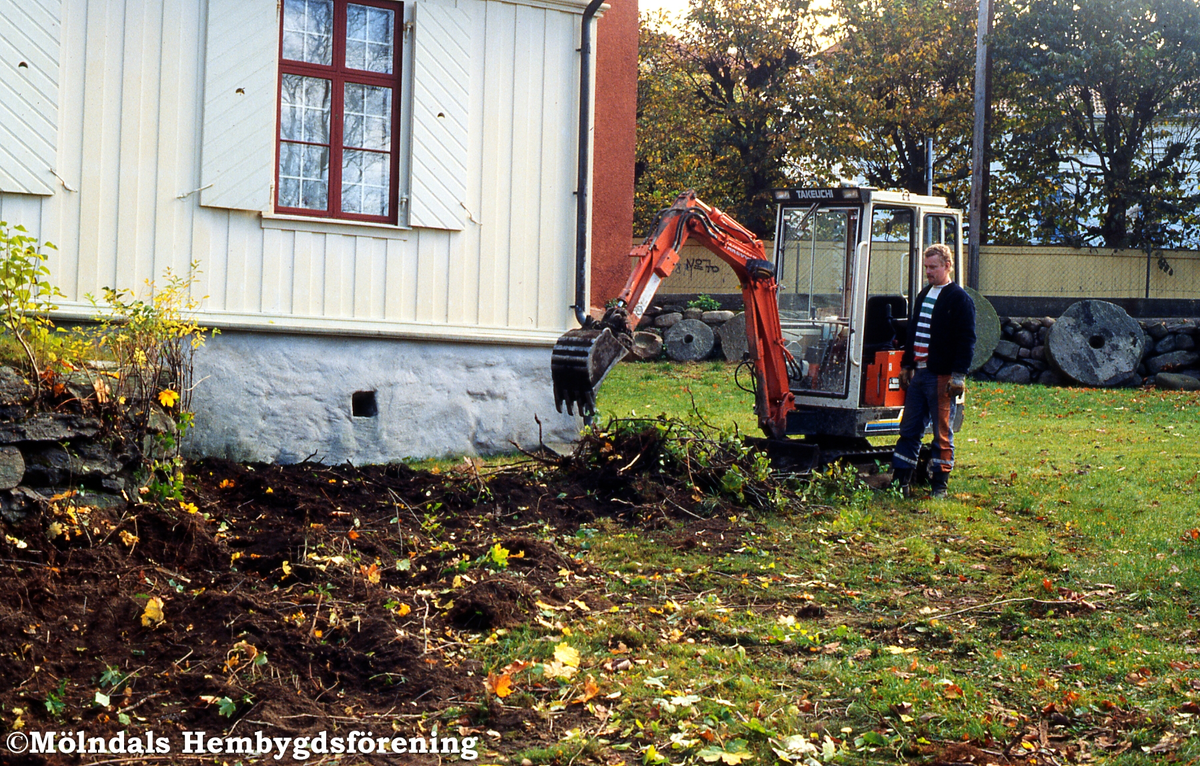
[
  {"x": 980, "y": 158},
  {"x": 928, "y": 167}
]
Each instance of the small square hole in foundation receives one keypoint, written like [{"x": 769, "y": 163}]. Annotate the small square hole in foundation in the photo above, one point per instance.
[{"x": 362, "y": 404}]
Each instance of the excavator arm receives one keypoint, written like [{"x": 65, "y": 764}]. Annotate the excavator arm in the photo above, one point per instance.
[{"x": 583, "y": 357}]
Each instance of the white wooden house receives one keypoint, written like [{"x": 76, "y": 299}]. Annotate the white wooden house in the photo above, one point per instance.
[{"x": 380, "y": 196}]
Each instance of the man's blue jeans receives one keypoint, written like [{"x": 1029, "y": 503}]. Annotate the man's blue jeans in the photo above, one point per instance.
[{"x": 926, "y": 402}]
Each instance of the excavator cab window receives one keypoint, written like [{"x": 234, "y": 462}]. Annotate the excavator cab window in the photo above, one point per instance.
[
  {"x": 941, "y": 230},
  {"x": 814, "y": 260},
  {"x": 890, "y": 276}
]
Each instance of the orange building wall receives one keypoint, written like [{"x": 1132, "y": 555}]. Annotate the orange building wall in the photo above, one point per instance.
[{"x": 615, "y": 149}]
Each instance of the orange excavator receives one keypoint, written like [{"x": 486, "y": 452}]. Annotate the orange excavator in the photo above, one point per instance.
[
  {"x": 826, "y": 313},
  {"x": 583, "y": 357}
]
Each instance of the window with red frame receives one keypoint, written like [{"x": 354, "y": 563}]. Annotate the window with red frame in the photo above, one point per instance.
[{"x": 339, "y": 88}]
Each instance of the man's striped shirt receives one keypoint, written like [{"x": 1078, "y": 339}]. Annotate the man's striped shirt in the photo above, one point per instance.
[{"x": 921, "y": 339}]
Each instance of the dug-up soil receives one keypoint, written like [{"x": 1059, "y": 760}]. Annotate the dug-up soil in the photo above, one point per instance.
[{"x": 294, "y": 600}]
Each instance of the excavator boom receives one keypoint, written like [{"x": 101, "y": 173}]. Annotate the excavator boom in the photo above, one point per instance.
[{"x": 583, "y": 357}]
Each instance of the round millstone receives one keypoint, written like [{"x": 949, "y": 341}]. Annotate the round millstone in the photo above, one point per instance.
[
  {"x": 688, "y": 341},
  {"x": 733, "y": 338},
  {"x": 1096, "y": 343},
  {"x": 987, "y": 329}
]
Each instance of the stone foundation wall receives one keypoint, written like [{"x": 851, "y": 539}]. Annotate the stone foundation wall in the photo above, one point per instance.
[{"x": 284, "y": 398}]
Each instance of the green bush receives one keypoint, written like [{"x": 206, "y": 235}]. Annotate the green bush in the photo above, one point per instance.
[
  {"x": 27, "y": 297},
  {"x": 704, "y": 303}
]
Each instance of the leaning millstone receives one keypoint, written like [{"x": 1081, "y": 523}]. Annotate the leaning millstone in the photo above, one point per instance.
[
  {"x": 1176, "y": 360},
  {"x": 716, "y": 317},
  {"x": 49, "y": 427},
  {"x": 689, "y": 341},
  {"x": 1006, "y": 349},
  {"x": 12, "y": 466},
  {"x": 1014, "y": 373},
  {"x": 668, "y": 320},
  {"x": 646, "y": 346},
  {"x": 1132, "y": 381},
  {"x": 733, "y": 338},
  {"x": 1096, "y": 343},
  {"x": 1176, "y": 381},
  {"x": 987, "y": 330}
]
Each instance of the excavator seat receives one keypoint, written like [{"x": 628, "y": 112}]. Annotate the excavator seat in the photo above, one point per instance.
[{"x": 885, "y": 322}]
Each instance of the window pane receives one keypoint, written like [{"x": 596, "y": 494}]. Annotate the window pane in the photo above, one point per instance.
[
  {"x": 304, "y": 109},
  {"x": 369, "y": 38},
  {"x": 308, "y": 31},
  {"x": 366, "y": 177},
  {"x": 367, "y": 119},
  {"x": 303, "y": 176}
]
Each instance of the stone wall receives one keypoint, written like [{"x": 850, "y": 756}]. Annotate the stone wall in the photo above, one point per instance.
[
  {"x": 44, "y": 453},
  {"x": 685, "y": 334},
  {"x": 1170, "y": 361}
]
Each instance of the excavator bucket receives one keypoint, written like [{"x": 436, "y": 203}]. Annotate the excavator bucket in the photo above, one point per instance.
[{"x": 578, "y": 365}]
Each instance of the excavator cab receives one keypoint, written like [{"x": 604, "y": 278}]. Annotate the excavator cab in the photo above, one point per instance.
[{"x": 848, "y": 263}]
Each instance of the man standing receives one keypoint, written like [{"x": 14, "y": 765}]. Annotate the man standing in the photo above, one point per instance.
[{"x": 937, "y": 355}]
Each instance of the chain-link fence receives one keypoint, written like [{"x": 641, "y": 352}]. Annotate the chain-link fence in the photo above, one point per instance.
[
  {"x": 1059, "y": 272},
  {"x": 1088, "y": 273}
]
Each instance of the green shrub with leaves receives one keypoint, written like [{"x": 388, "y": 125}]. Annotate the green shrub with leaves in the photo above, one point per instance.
[
  {"x": 152, "y": 344},
  {"x": 27, "y": 297},
  {"x": 704, "y": 303}
]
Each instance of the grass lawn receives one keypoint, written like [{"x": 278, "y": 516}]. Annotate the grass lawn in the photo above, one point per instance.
[{"x": 1043, "y": 613}]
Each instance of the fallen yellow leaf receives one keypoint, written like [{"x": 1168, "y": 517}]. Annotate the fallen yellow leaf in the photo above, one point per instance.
[
  {"x": 567, "y": 655},
  {"x": 152, "y": 615}
]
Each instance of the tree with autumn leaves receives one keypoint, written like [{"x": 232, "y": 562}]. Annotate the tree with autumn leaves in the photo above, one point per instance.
[
  {"x": 1094, "y": 127},
  {"x": 715, "y": 107},
  {"x": 1105, "y": 145},
  {"x": 902, "y": 71}
]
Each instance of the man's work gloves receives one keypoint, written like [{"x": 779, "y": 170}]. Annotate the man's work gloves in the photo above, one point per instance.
[{"x": 957, "y": 385}]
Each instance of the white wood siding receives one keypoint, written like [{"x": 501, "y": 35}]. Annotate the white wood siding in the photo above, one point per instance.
[
  {"x": 132, "y": 125},
  {"x": 29, "y": 64},
  {"x": 441, "y": 55}
]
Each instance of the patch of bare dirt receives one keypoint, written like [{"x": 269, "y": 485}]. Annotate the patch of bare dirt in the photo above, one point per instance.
[{"x": 307, "y": 598}]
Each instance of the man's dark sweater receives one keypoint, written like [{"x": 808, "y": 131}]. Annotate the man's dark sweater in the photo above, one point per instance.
[{"x": 951, "y": 330}]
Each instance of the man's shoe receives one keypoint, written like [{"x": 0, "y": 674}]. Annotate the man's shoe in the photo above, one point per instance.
[{"x": 938, "y": 492}]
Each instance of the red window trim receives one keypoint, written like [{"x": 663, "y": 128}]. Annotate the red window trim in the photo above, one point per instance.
[{"x": 339, "y": 74}]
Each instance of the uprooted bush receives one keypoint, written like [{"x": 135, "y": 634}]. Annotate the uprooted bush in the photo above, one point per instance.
[{"x": 665, "y": 459}]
